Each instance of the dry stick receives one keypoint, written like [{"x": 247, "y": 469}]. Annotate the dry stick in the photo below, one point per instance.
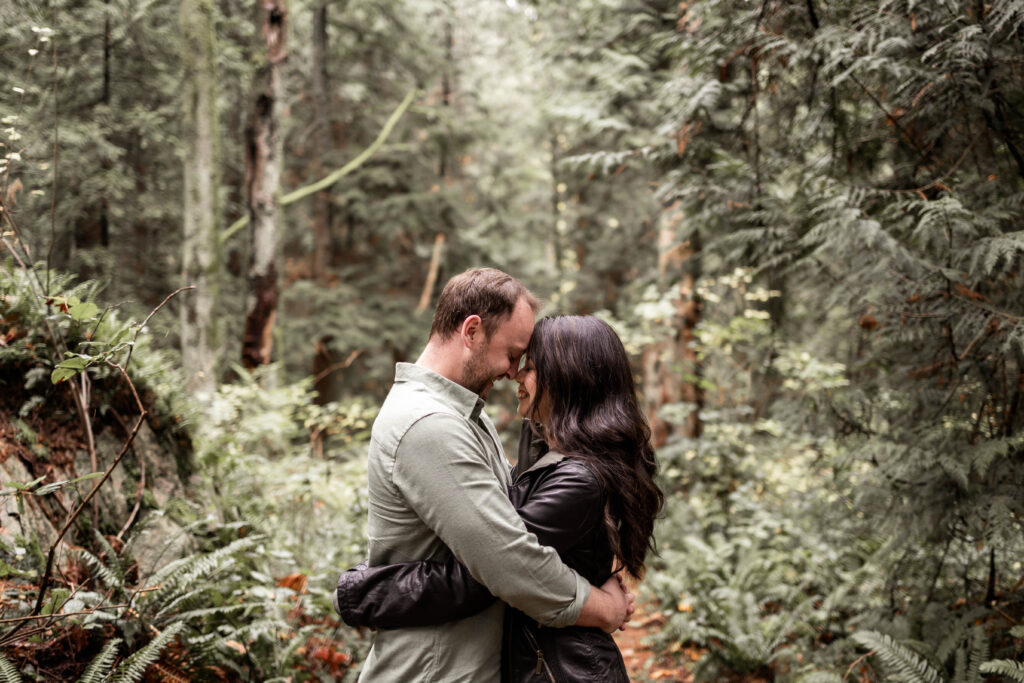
[
  {"x": 337, "y": 366},
  {"x": 151, "y": 314},
  {"x": 44, "y": 584},
  {"x": 435, "y": 263},
  {"x": 856, "y": 661},
  {"x": 36, "y": 617},
  {"x": 142, "y": 483}
]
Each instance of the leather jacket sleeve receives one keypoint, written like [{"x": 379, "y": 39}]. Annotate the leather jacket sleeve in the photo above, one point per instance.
[
  {"x": 560, "y": 509},
  {"x": 409, "y": 594}
]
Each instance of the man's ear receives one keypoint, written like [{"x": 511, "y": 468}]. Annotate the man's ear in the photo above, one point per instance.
[{"x": 471, "y": 331}]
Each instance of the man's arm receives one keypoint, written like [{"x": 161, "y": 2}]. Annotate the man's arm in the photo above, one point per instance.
[
  {"x": 443, "y": 472},
  {"x": 421, "y": 593}
]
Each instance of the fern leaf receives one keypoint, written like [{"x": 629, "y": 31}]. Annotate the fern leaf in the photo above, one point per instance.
[
  {"x": 113, "y": 559},
  {"x": 820, "y": 677},
  {"x": 134, "y": 668},
  {"x": 99, "y": 667},
  {"x": 109, "y": 577},
  {"x": 899, "y": 658},
  {"x": 979, "y": 653},
  {"x": 8, "y": 672},
  {"x": 1006, "y": 668}
]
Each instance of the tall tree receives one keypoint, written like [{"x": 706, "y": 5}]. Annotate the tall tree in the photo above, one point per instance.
[
  {"x": 201, "y": 262},
  {"x": 321, "y": 139},
  {"x": 264, "y": 151}
]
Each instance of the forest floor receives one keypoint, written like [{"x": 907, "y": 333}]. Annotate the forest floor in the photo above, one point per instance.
[{"x": 642, "y": 662}]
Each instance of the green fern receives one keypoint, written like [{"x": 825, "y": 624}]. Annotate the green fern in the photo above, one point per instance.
[
  {"x": 134, "y": 668},
  {"x": 901, "y": 659},
  {"x": 1006, "y": 668},
  {"x": 8, "y": 672},
  {"x": 979, "y": 653},
  {"x": 99, "y": 667},
  {"x": 820, "y": 677}
]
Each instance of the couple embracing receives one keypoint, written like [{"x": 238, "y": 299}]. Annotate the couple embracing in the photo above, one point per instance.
[{"x": 477, "y": 573}]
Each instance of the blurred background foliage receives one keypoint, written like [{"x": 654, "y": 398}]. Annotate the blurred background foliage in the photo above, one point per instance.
[{"x": 803, "y": 218}]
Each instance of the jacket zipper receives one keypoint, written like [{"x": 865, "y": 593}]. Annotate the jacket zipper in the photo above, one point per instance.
[{"x": 542, "y": 664}]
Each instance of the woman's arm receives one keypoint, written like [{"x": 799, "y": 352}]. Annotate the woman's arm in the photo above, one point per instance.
[
  {"x": 409, "y": 594},
  {"x": 560, "y": 510}
]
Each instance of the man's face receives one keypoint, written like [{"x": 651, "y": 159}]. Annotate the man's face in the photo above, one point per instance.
[{"x": 497, "y": 357}]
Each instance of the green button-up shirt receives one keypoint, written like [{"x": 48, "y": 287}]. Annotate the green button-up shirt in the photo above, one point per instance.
[{"x": 438, "y": 484}]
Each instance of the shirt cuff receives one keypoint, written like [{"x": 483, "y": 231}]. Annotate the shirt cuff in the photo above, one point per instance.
[{"x": 569, "y": 615}]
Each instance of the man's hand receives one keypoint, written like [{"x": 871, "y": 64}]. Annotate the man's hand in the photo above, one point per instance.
[
  {"x": 608, "y": 607},
  {"x": 620, "y": 579}
]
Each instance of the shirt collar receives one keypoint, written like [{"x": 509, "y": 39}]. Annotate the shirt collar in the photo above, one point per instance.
[{"x": 465, "y": 401}]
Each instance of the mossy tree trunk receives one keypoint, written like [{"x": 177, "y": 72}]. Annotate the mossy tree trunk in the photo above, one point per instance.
[{"x": 201, "y": 260}]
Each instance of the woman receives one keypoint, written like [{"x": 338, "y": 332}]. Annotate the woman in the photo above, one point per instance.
[{"x": 584, "y": 484}]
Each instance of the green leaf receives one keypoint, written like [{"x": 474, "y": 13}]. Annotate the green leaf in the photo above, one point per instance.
[
  {"x": 83, "y": 311},
  {"x": 60, "y": 374},
  {"x": 54, "y": 486},
  {"x": 26, "y": 486}
]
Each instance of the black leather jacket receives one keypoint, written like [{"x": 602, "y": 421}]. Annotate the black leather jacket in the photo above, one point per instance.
[{"x": 562, "y": 501}]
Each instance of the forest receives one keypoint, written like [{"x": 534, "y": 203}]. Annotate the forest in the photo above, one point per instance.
[{"x": 222, "y": 223}]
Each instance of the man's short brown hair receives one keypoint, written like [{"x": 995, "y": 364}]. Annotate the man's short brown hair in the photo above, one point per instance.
[{"x": 486, "y": 292}]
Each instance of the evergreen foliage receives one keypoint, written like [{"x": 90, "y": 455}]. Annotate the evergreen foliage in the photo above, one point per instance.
[{"x": 802, "y": 217}]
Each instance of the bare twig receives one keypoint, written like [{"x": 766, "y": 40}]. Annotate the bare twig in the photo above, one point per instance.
[
  {"x": 37, "y": 617},
  {"x": 47, "y": 574},
  {"x": 142, "y": 482},
  {"x": 435, "y": 264},
  {"x": 857, "y": 661},
  {"x": 337, "y": 366},
  {"x": 151, "y": 314}
]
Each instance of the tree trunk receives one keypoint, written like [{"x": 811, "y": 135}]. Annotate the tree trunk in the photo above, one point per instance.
[
  {"x": 201, "y": 261},
  {"x": 322, "y": 142},
  {"x": 671, "y": 369},
  {"x": 263, "y": 174}
]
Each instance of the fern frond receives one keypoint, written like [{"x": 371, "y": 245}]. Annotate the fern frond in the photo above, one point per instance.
[
  {"x": 100, "y": 665},
  {"x": 184, "y": 573},
  {"x": 8, "y": 672},
  {"x": 979, "y": 654},
  {"x": 99, "y": 570},
  {"x": 901, "y": 659},
  {"x": 113, "y": 559},
  {"x": 222, "y": 609},
  {"x": 134, "y": 668},
  {"x": 820, "y": 677},
  {"x": 186, "y": 600},
  {"x": 1004, "y": 667}
]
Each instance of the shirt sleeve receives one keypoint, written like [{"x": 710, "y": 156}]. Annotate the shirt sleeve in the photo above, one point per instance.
[{"x": 442, "y": 470}]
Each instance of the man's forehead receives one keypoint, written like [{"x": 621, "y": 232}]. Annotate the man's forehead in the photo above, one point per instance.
[{"x": 518, "y": 327}]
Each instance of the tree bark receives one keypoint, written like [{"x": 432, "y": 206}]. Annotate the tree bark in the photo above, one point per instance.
[
  {"x": 322, "y": 214},
  {"x": 201, "y": 260},
  {"x": 263, "y": 176},
  {"x": 679, "y": 266}
]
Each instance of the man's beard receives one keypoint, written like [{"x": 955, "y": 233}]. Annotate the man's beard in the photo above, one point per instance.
[{"x": 475, "y": 376}]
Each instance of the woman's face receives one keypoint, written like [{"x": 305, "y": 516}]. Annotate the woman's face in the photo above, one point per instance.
[{"x": 527, "y": 379}]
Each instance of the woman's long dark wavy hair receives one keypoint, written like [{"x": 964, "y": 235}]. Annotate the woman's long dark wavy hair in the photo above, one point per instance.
[{"x": 584, "y": 374}]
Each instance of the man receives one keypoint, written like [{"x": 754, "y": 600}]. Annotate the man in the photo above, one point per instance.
[{"x": 438, "y": 483}]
